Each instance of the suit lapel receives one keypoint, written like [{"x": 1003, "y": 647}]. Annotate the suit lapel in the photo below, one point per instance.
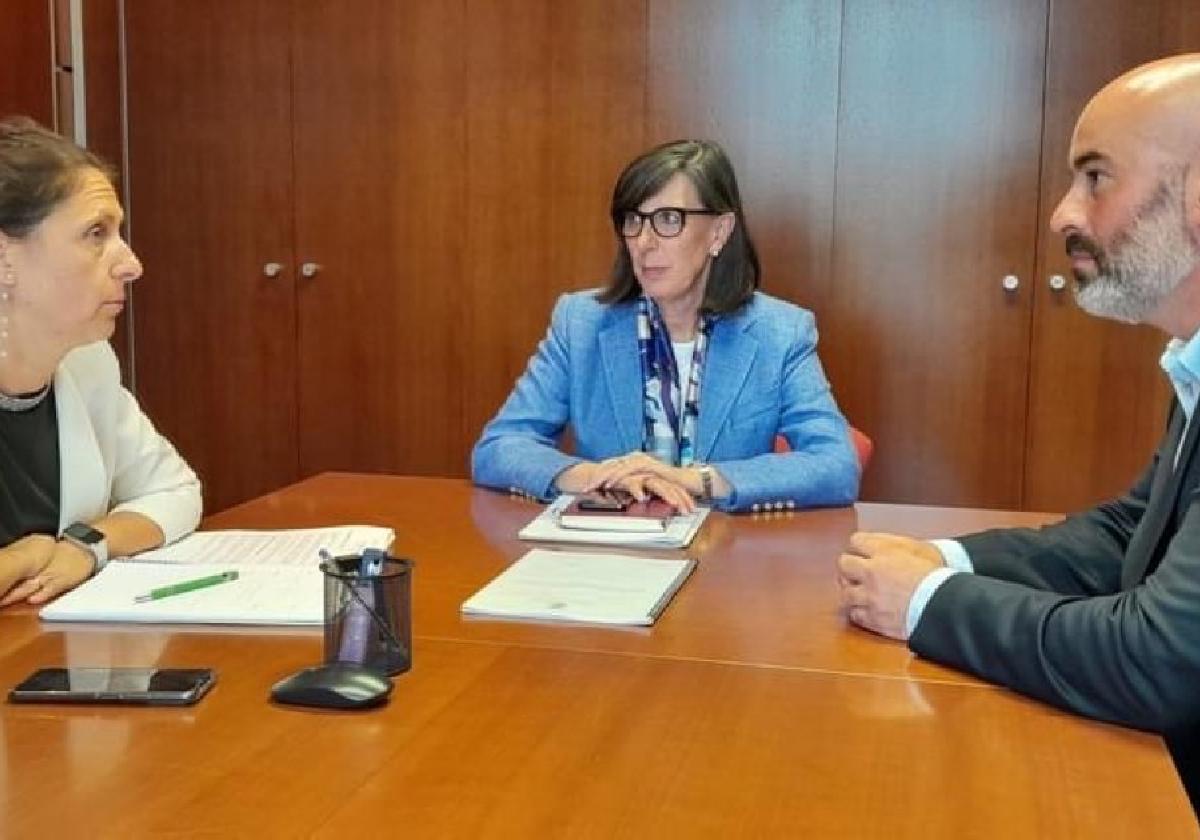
[
  {"x": 730, "y": 356},
  {"x": 623, "y": 375},
  {"x": 1164, "y": 492}
]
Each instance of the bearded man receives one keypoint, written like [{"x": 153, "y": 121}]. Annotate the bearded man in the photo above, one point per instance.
[{"x": 1098, "y": 614}]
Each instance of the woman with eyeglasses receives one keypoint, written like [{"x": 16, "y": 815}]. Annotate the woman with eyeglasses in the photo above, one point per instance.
[
  {"x": 83, "y": 473},
  {"x": 677, "y": 377}
]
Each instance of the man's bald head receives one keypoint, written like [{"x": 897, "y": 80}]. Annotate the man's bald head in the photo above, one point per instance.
[
  {"x": 1131, "y": 219},
  {"x": 1158, "y": 103}
]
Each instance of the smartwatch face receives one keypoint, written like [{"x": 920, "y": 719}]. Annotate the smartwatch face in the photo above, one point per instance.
[{"x": 84, "y": 533}]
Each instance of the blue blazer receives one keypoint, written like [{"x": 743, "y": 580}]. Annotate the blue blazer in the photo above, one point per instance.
[{"x": 761, "y": 378}]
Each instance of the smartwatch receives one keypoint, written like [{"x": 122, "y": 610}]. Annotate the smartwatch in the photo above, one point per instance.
[
  {"x": 706, "y": 482},
  {"x": 94, "y": 542}
]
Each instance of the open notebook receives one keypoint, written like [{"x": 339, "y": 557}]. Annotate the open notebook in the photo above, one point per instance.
[
  {"x": 570, "y": 586},
  {"x": 278, "y": 580}
]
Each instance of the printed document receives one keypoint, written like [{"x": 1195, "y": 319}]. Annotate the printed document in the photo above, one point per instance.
[{"x": 296, "y": 547}]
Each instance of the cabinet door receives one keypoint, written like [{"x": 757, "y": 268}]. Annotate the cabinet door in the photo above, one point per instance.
[
  {"x": 209, "y": 114},
  {"x": 761, "y": 79},
  {"x": 937, "y": 185},
  {"x": 380, "y": 209},
  {"x": 555, "y": 105},
  {"x": 1097, "y": 397},
  {"x": 25, "y": 84},
  {"x": 453, "y": 166}
]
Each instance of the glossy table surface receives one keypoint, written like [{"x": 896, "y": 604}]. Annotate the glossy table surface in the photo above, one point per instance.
[{"x": 750, "y": 709}]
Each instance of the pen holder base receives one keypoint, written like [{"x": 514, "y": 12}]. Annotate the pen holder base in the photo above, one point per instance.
[{"x": 368, "y": 618}]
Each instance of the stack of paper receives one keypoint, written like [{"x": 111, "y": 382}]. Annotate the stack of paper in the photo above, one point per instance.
[
  {"x": 297, "y": 547},
  {"x": 679, "y": 531},
  {"x": 599, "y": 588},
  {"x": 278, "y": 580}
]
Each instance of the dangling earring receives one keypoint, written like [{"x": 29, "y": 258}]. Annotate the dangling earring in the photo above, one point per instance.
[{"x": 8, "y": 279}]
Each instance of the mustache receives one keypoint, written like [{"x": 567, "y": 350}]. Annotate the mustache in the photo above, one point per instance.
[{"x": 1077, "y": 242}]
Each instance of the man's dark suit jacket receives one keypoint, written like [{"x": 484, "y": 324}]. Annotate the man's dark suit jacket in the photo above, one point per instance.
[{"x": 1099, "y": 614}]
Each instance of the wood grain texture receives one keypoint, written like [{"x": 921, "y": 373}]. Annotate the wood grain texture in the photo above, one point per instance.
[
  {"x": 25, "y": 42},
  {"x": 762, "y": 80},
  {"x": 210, "y": 183},
  {"x": 452, "y": 163},
  {"x": 505, "y": 741},
  {"x": 102, "y": 62},
  {"x": 530, "y": 736},
  {"x": 554, "y": 105},
  {"x": 760, "y": 580},
  {"x": 380, "y": 139},
  {"x": 102, "y": 85},
  {"x": 1097, "y": 397},
  {"x": 1179, "y": 27},
  {"x": 938, "y": 141}
]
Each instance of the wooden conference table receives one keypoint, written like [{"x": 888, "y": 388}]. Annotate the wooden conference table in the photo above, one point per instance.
[{"x": 749, "y": 710}]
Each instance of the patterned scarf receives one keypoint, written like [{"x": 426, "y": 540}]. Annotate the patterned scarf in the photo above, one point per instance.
[{"x": 669, "y": 411}]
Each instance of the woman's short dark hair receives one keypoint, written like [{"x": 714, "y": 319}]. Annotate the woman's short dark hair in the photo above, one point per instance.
[
  {"x": 38, "y": 170},
  {"x": 735, "y": 273}
]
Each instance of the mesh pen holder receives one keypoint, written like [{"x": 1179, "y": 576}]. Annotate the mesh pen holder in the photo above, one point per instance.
[{"x": 368, "y": 617}]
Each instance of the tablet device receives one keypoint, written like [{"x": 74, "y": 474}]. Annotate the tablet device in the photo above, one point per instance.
[{"x": 137, "y": 686}]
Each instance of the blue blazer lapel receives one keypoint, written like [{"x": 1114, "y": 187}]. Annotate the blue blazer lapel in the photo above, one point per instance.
[
  {"x": 730, "y": 356},
  {"x": 623, "y": 374}
]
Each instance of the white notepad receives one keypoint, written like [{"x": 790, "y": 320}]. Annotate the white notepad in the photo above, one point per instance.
[
  {"x": 545, "y": 528},
  {"x": 262, "y": 594},
  {"x": 594, "y": 588},
  {"x": 279, "y": 581}
]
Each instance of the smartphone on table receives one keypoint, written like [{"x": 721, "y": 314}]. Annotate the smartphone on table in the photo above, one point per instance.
[
  {"x": 610, "y": 500},
  {"x": 135, "y": 686}
]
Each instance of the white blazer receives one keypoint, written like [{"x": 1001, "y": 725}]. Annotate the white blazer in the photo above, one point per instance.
[{"x": 111, "y": 457}]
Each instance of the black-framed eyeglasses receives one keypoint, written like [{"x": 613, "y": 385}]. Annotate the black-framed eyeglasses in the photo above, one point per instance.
[{"x": 666, "y": 221}]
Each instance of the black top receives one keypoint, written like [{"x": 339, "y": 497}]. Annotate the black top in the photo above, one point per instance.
[{"x": 29, "y": 471}]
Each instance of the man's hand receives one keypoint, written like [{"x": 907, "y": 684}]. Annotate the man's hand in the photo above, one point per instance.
[
  {"x": 878, "y": 574},
  {"x": 22, "y": 561}
]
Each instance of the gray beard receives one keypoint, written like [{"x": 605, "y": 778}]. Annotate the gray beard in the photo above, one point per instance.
[{"x": 1147, "y": 261}]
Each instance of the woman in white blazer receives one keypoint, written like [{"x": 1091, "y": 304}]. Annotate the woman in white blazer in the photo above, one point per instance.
[{"x": 84, "y": 476}]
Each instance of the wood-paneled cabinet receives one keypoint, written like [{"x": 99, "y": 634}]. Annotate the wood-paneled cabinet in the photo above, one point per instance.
[
  {"x": 26, "y": 85},
  {"x": 444, "y": 170},
  {"x": 902, "y": 160},
  {"x": 951, "y": 333},
  {"x": 356, "y": 215},
  {"x": 939, "y": 135},
  {"x": 211, "y": 216}
]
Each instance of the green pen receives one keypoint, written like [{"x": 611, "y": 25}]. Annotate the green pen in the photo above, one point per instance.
[{"x": 185, "y": 586}]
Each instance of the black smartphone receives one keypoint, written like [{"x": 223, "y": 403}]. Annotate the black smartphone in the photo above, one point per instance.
[
  {"x": 137, "y": 686},
  {"x": 605, "y": 501}
]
